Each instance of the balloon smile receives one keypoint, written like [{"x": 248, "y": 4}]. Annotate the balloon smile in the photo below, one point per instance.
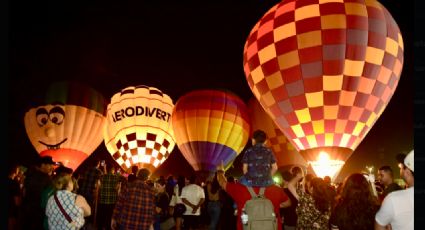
[{"x": 56, "y": 146}]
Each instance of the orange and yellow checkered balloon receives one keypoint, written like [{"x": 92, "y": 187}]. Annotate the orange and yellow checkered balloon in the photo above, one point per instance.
[{"x": 324, "y": 70}]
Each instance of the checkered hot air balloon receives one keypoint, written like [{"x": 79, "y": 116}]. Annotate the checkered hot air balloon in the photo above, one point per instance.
[
  {"x": 285, "y": 153},
  {"x": 67, "y": 124},
  {"x": 138, "y": 129},
  {"x": 211, "y": 127},
  {"x": 324, "y": 70}
]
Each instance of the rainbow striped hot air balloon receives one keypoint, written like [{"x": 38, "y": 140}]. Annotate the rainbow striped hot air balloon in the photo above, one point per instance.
[
  {"x": 138, "y": 129},
  {"x": 68, "y": 125},
  {"x": 285, "y": 153},
  {"x": 324, "y": 71},
  {"x": 211, "y": 127}
]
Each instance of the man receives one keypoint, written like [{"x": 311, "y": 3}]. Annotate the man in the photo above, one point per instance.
[
  {"x": 385, "y": 177},
  {"x": 108, "y": 196},
  {"x": 193, "y": 196},
  {"x": 37, "y": 179},
  {"x": 397, "y": 208},
  {"x": 289, "y": 215},
  {"x": 135, "y": 208},
  {"x": 89, "y": 187},
  {"x": 259, "y": 162},
  {"x": 241, "y": 195}
]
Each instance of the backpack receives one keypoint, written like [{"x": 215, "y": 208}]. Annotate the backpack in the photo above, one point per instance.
[{"x": 260, "y": 212}]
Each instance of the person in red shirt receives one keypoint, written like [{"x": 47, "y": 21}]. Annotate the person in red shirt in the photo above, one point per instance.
[{"x": 241, "y": 195}]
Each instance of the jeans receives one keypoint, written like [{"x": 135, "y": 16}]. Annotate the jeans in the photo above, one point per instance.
[{"x": 214, "y": 209}]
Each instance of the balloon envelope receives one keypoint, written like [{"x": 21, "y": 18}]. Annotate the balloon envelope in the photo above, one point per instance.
[
  {"x": 285, "y": 153},
  {"x": 211, "y": 128},
  {"x": 324, "y": 71},
  {"x": 68, "y": 124},
  {"x": 138, "y": 129}
]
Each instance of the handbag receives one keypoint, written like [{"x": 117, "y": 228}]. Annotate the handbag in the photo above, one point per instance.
[{"x": 179, "y": 209}]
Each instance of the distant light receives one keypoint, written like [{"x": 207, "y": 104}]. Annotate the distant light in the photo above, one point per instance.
[
  {"x": 276, "y": 180},
  {"x": 324, "y": 166}
]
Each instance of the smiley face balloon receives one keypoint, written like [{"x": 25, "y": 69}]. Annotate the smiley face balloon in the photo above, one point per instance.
[{"x": 68, "y": 125}]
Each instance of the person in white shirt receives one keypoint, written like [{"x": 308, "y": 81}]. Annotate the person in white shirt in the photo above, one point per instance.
[
  {"x": 193, "y": 197},
  {"x": 397, "y": 208}
]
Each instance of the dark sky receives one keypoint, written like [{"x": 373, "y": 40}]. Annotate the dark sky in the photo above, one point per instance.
[{"x": 176, "y": 46}]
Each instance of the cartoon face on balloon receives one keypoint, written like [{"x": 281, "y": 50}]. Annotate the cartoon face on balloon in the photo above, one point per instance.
[{"x": 68, "y": 129}]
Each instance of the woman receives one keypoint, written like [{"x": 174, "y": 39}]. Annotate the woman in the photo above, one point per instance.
[
  {"x": 177, "y": 208},
  {"x": 214, "y": 204},
  {"x": 65, "y": 209},
  {"x": 356, "y": 205},
  {"x": 314, "y": 207}
]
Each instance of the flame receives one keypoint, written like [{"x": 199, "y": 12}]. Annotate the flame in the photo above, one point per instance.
[{"x": 324, "y": 166}]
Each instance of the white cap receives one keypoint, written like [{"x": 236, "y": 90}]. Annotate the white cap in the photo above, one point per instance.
[{"x": 409, "y": 161}]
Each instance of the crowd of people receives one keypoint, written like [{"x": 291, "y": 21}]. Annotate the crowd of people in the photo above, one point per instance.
[{"x": 49, "y": 196}]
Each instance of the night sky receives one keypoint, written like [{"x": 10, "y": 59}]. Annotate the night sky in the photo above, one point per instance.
[{"x": 176, "y": 46}]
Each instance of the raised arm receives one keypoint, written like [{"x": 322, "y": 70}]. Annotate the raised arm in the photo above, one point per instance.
[
  {"x": 221, "y": 178},
  {"x": 292, "y": 185},
  {"x": 274, "y": 168}
]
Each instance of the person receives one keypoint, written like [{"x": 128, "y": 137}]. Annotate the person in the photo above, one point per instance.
[
  {"x": 259, "y": 162},
  {"x": 193, "y": 197},
  {"x": 65, "y": 204},
  {"x": 398, "y": 207},
  {"x": 169, "y": 187},
  {"x": 356, "y": 206},
  {"x": 161, "y": 203},
  {"x": 385, "y": 177},
  {"x": 89, "y": 187},
  {"x": 176, "y": 206},
  {"x": 132, "y": 177},
  {"x": 214, "y": 203},
  {"x": 241, "y": 195},
  {"x": 51, "y": 189},
  {"x": 135, "y": 208},
  {"x": 228, "y": 211},
  {"x": 289, "y": 214},
  {"x": 108, "y": 195},
  {"x": 36, "y": 180},
  {"x": 314, "y": 207},
  {"x": 14, "y": 198}
]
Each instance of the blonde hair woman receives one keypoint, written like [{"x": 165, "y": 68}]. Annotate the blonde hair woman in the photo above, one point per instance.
[{"x": 65, "y": 209}]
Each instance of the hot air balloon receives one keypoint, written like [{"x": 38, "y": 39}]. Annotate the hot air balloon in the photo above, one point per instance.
[
  {"x": 211, "y": 128},
  {"x": 68, "y": 124},
  {"x": 324, "y": 71},
  {"x": 285, "y": 153},
  {"x": 138, "y": 130}
]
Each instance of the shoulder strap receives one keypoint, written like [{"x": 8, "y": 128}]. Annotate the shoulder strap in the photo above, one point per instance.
[
  {"x": 262, "y": 190},
  {"x": 251, "y": 191},
  {"x": 67, "y": 217}
]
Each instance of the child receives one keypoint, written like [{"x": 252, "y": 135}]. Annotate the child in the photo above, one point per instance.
[{"x": 259, "y": 162}]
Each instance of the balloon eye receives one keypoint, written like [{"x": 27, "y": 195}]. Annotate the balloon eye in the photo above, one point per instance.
[
  {"x": 42, "y": 119},
  {"x": 56, "y": 118}
]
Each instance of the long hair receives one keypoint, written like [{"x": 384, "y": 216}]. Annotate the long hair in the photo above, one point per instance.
[
  {"x": 181, "y": 181},
  {"x": 321, "y": 195},
  {"x": 356, "y": 204}
]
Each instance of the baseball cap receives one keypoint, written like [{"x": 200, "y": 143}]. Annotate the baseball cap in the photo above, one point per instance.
[
  {"x": 409, "y": 161},
  {"x": 46, "y": 160}
]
